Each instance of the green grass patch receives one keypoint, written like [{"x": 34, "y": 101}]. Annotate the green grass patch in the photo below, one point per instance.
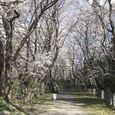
[
  {"x": 18, "y": 108},
  {"x": 36, "y": 105},
  {"x": 43, "y": 99},
  {"x": 9, "y": 108},
  {"x": 93, "y": 105},
  {"x": 4, "y": 105}
]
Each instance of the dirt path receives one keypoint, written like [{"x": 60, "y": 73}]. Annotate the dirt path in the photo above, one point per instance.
[{"x": 65, "y": 105}]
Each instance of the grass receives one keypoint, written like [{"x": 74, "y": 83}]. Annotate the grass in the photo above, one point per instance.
[
  {"x": 3, "y": 105},
  {"x": 8, "y": 107},
  {"x": 43, "y": 98},
  {"x": 93, "y": 105},
  {"x": 36, "y": 105},
  {"x": 18, "y": 108}
]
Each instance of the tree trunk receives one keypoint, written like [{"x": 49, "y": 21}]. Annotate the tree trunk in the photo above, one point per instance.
[
  {"x": 1, "y": 66},
  {"x": 8, "y": 57}
]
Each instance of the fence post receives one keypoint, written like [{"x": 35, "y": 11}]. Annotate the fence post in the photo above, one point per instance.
[
  {"x": 89, "y": 90},
  {"x": 94, "y": 91},
  {"x": 102, "y": 94},
  {"x": 113, "y": 99}
]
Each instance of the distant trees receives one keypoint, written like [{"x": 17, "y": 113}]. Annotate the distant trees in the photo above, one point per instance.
[
  {"x": 86, "y": 44},
  {"x": 105, "y": 14},
  {"x": 92, "y": 38}
]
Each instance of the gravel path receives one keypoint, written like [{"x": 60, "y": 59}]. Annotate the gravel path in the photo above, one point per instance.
[{"x": 65, "y": 105}]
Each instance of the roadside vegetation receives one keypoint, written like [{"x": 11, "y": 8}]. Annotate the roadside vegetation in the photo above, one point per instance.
[
  {"x": 93, "y": 105},
  {"x": 18, "y": 108},
  {"x": 9, "y": 109}
]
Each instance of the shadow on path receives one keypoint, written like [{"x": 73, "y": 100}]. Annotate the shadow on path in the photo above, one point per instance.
[
  {"x": 65, "y": 105},
  {"x": 86, "y": 100}
]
